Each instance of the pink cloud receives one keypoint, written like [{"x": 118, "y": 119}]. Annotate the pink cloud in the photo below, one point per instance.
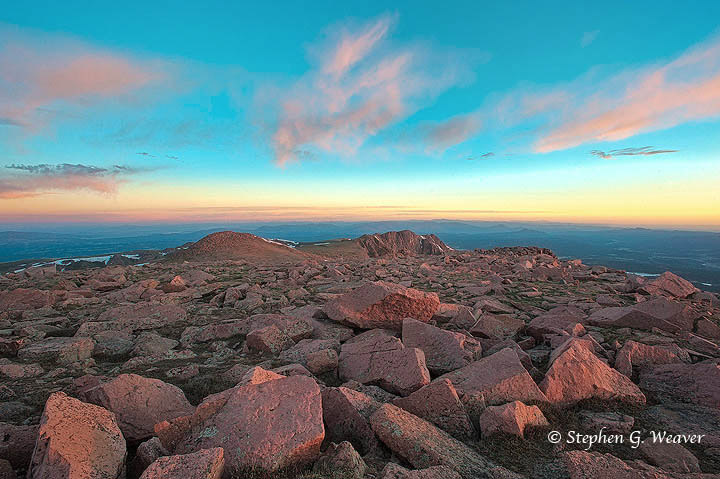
[
  {"x": 35, "y": 180},
  {"x": 454, "y": 131},
  {"x": 35, "y": 76},
  {"x": 683, "y": 90},
  {"x": 354, "y": 48},
  {"x": 359, "y": 87}
]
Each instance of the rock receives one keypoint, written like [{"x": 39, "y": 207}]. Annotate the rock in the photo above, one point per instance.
[
  {"x": 555, "y": 321},
  {"x": 204, "y": 464},
  {"x": 394, "y": 471},
  {"x": 146, "y": 454},
  {"x": 496, "y": 326},
  {"x": 634, "y": 354},
  {"x": 175, "y": 285},
  {"x": 24, "y": 299},
  {"x": 708, "y": 329},
  {"x": 11, "y": 370},
  {"x": 500, "y": 378},
  {"x": 445, "y": 351},
  {"x": 341, "y": 460},
  {"x": 17, "y": 444},
  {"x": 214, "y": 332},
  {"x": 6, "y": 470},
  {"x": 524, "y": 357},
  {"x": 346, "y": 414},
  {"x": 696, "y": 383},
  {"x": 322, "y": 361},
  {"x": 59, "y": 350},
  {"x": 183, "y": 373},
  {"x": 150, "y": 343},
  {"x": 382, "y": 305},
  {"x": 658, "y": 313},
  {"x": 112, "y": 345},
  {"x": 295, "y": 328},
  {"x": 139, "y": 403},
  {"x": 269, "y": 340},
  {"x": 423, "y": 445},
  {"x": 578, "y": 374},
  {"x": 77, "y": 440},
  {"x": 268, "y": 426},
  {"x": 143, "y": 316},
  {"x": 300, "y": 352},
  {"x": 511, "y": 418},
  {"x": 439, "y": 404},
  {"x": 258, "y": 375},
  {"x": 594, "y": 465},
  {"x": 386, "y": 363},
  {"x": 612, "y": 422},
  {"x": 669, "y": 457},
  {"x": 669, "y": 284}
]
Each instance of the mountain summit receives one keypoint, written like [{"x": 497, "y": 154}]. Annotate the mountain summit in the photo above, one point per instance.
[
  {"x": 230, "y": 245},
  {"x": 402, "y": 242}
]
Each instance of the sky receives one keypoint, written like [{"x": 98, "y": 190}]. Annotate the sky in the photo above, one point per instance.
[{"x": 212, "y": 111}]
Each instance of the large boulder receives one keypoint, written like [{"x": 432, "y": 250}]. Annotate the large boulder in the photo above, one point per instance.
[
  {"x": 268, "y": 426},
  {"x": 139, "y": 403},
  {"x": 346, "y": 414},
  {"x": 17, "y": 443},
  {"x": 438, "y": 402},
  {"x": 445, "y": 351},
  {"x": 669, "y": 456},
  {"x": 59, "y": 350},
  {"x": 695, "y": 383},
  {"x": 634, "y": 354},
  {"x": 578, "y": 374},
  {"x": 340, "y": 460},
  {"x": 77, "y": 441},
  {"x": 382, "y": 305},
  {"x": 669, "y": 284},
  {"x": 500, "y": 378},
  {"x": 385, "y": 362},
  {"x": 203, "y": 464},
  {"x": 395, "y": 471},
  {"x": 658, "y": 313},
  {"x": 23, "y": 299},
  {"x": 511, "y": 418},
  {"x": 142, "y": 316},
  {"x": 423, "y": 445},
  {"x": 555, "y": 322},
  {"x": 594, "y": 465}
]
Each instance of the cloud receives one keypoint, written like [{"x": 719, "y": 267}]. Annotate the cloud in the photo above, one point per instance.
[
  {"x": 588, "y": 38},
  {"x": 642, "y": 151},
  {"x": 483, "y": 156},
  {"x": 359, "y": 86},
  {"x": 40, "y": 71},
  {"x": 35, "y": 180},
  {"x": 456, "y": 130},
  {"x": 676, "y": 92}
]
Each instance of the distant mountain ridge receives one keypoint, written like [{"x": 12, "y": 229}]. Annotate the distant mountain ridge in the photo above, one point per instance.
[{"x": 403, "y": 242}]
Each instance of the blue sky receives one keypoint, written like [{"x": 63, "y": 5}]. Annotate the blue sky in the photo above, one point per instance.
[{"x": 264, "y": 111}]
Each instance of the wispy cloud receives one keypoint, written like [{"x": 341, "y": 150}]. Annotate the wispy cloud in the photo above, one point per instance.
[
  {"x": 676, "y": 92},
  {"x": 642, "y": 151},
  {"x": 33, "y": 180},
  {"x": 456, "y": 130},
  {"x": 360, "y": 86},
  {"x": 588, "y": 38},
  {"x": 483, "y": 156},
  {"x": 39, "y": 72}
]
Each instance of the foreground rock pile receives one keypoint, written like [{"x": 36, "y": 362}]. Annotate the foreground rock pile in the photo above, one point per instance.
[{"x": 452, "y": 365}]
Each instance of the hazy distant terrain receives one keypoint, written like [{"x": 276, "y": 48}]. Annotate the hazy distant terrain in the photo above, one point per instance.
[{"x": 692, "y": 254}]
